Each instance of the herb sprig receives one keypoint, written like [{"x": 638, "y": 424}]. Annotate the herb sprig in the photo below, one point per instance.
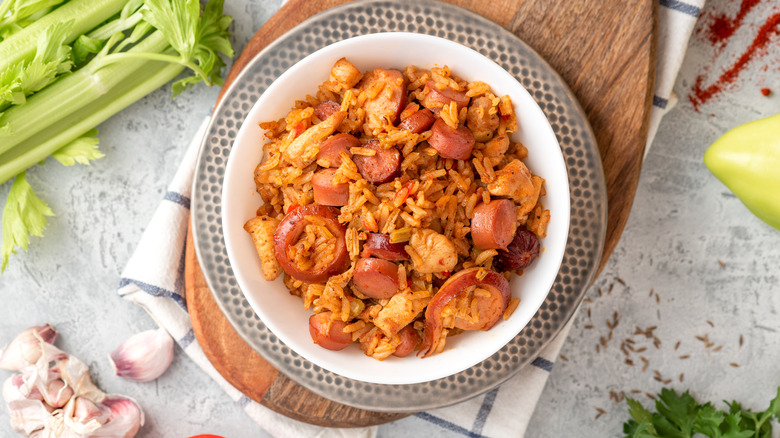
[{"x": 681, "y": 416}]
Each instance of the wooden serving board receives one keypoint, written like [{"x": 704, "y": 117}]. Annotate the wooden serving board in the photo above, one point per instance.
[{"x": 606, "y": 52}]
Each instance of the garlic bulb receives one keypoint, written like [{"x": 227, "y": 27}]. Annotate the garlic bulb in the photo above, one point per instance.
[
  {"x": 54, "y": 396},
  {"x": 25, "y": 349},
  {"x": 144, "y": 356}
]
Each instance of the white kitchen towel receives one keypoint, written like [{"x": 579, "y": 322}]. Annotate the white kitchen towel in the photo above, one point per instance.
[
  {"x": 154, "y": 278},
  {"x": 676, "y": 20}
]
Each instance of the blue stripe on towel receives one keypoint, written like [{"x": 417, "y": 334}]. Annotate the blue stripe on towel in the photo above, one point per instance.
[
  {"x": 243, "y": 401},
  {"x": 484, "y": 411},
  {"x": 178, "y": 198},
  {"x": 685, "y": 8},
  {"x": 660, "y": 102},
  {"x": 154, "y": 291},
  {"x": 186, "y": 340},
  {"x": 542, "y": 363},
  {"x": 444, "y": 424}
]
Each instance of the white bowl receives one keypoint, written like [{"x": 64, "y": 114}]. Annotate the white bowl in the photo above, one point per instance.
[{"x": 283, "y": 313}]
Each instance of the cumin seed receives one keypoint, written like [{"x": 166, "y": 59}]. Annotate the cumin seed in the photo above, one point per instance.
[
  {"x": 677, "y": 345},
  {"x": 620, "y": 280},
  {"x": 740, "y": 341},
  {"x": 650, "y": 396},
  {"x": 685, "y": 356},
  {"x": 564, "y": 358},
  {"x": 710, "y": 323},
  {"x": 722, "y": 265},
  {"x": 681, "y": 377},
  {"x": 734, "y": 364}
]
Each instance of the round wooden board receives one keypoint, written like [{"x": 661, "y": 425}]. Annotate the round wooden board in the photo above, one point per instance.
[
  {"x": 606, "y": 53},
  {"x": 250, "y": 373}
]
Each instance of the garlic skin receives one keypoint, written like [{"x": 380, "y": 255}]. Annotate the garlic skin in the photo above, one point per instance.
[
  {"x": 25, "y": 349},
  {"x": 144, "y": 356},
  {"x": 27, "y": 410}
]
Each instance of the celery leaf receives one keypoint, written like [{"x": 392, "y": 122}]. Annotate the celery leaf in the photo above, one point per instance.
[
  {"x": 84, "y": 47},
  {"x": 52, "y": 58},
  {"x": 177, "y": 20},
  {"x": 81, "y": 150},
  {"x": 24, "y": 215},
  {"x": 14, "y": 12}
]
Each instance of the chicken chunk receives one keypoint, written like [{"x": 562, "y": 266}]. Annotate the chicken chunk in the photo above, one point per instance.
[
  {"x": 435, "y": 252},
  {"x": 344, "y": 75},
  {"x": 496, "y": 148},
  {"x": 479, "y": 119},
  {"x": 515, "y": 181},
  {"x": 401, "y": 310},
  {"x": 304, "y": 149},
  {"x": 262, "y": 229}
]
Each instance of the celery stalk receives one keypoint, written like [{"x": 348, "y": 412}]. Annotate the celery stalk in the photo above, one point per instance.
[
  {"x": 70, "y": 93},
  {"x": 166, "y": 37},
  {"x": 149, "y": 77},
  {"x": 86, "y": 15}
]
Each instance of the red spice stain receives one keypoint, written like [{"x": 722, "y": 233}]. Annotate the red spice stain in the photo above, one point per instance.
[
  {"x": 766, "y": 91},
  {"x": 700, "y": 94},
  {"x": 722, "y": 27}
]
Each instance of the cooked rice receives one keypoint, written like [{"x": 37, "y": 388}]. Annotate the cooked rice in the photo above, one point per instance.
[{"x": 431, "y": 193}]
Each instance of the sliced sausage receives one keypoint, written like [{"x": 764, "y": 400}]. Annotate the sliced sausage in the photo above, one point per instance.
[
  {"x": 435, "y": 99},
  {"x": 378, "y": 245},
  {"x": 479, "y": 119},
  {"x": 376, "y": 278},
  {"x": 490, "y": 308},
  {"x": 523, "y": 250},
  {"x": 323, "y": 110},
  {"x": 330, "y": 149},
  {"x": 451, "y": 143},
  {"x": 327, "y": 191},
  {"x": 409, "y": 341},
  {"x": 493, "y": 225},
  {"x": 329, "y": 333},
  {"x": 387, "y": 105},
  {"x": 419, "y": 121},
  {"x": 379, "y": 168},
  {"x": 290, "y": 229}
]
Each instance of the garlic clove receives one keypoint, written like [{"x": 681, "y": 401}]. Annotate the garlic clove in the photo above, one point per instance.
[
  {"x": 125, "y": 420},
  {"x": 85, "y": 411},
  {"x": 58, "y": 393},
  {"x": 144, "y": 356},
  {"x": 25, "y": 349}
]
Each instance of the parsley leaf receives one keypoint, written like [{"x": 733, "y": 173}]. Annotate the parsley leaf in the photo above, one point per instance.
[
  {"x": 641, "y": 426},
  {"x": 682, "y": 417},
  {"x": 24, "y": 215},
  {"x": 81, "y": 150}
]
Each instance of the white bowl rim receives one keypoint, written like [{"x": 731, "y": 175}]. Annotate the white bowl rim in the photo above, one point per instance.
[{"x": 432, "y": 368}]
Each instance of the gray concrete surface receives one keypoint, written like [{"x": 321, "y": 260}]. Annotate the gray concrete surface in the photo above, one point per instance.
[{"x": 683, "y": 222}]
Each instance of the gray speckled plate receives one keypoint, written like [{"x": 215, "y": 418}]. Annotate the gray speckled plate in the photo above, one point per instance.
[{"x": 586, "y": 180}]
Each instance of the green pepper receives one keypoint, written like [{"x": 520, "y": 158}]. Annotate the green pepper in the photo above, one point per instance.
[{"x": 747, "y": 160}]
